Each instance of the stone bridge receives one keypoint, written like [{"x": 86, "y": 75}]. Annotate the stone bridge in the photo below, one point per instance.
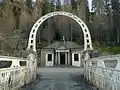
[
  {"x": 102, "y": 72},
  {"x": 16, "y": 72}
]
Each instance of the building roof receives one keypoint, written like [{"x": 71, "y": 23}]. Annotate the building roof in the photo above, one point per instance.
[{"x": 61, "y": 45}]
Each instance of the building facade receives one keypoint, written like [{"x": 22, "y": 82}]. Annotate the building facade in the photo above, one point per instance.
[{"x": 62, "y": 53}]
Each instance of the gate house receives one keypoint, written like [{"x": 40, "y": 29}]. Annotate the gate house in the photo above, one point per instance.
[{"x": 61, "y": 53}]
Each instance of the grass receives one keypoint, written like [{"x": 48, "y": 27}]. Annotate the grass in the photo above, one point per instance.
[{"x": 109, "y": 49}]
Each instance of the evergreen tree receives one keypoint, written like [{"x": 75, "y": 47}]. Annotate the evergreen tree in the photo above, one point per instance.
[
  {"x": 74, "y": 4},
  {"x": 29, "y": 3},
  {"x": 58, "y": 5},
  {"x": 116, "y": 19}
]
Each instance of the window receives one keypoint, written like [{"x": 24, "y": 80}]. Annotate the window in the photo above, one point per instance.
[
  {"x": 49, "y": 57},
  {"x": 76, "y": 57},
  {"x": 22, "y": 63},
  {"x": 5, "y": 64}
]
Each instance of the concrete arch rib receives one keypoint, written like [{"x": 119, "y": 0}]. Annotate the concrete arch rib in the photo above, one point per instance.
[{"x": 33, "y": 32}]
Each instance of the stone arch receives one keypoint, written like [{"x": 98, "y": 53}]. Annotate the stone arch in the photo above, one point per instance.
[{"x": 33, "y": 32}]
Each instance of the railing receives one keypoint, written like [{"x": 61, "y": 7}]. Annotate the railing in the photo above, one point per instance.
[
  {"x": 20, "y": 72},
  {"x": 104, "y": 72},
  {"x": 12, "y": 78}
]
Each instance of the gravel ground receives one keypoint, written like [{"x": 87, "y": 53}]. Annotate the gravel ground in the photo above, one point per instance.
[{"x": 59, "y": 79}]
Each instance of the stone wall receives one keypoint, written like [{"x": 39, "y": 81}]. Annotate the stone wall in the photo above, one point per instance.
[{"x": 104, "y": 72}]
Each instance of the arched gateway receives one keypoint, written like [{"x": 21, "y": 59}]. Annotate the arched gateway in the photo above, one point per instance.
[{"x": 33, "y": 33}]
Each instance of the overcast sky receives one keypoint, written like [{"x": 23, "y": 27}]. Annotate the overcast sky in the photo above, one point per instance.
[{"x": 90, "y": 4}]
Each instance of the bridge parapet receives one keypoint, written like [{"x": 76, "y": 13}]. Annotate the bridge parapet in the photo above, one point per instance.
[
  {"x": 31, "y": 68},
  {"x": 16, "y": 72},
  {"x": 104, "y": 72}
]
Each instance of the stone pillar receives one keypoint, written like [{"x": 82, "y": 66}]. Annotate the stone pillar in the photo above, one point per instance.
[
  {"x": 56, "y": 58},
  {"x": 59, "y": 58},
  {"x": 66, "y": 58},
  {"x": 69, "y": 58}
]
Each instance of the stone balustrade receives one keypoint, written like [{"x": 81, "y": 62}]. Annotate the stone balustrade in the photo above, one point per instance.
[
  {"x": 104, "y": 72},
  {"x": 16, "y": 72}
]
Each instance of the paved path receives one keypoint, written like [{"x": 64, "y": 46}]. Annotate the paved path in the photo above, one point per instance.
[{"x": 59, "y": 79}]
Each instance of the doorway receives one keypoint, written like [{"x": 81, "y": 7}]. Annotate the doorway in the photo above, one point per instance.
[{"x": 62, "y": 58}]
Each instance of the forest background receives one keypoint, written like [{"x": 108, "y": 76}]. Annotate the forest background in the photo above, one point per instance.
[{"x": 18, "y": 16}]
